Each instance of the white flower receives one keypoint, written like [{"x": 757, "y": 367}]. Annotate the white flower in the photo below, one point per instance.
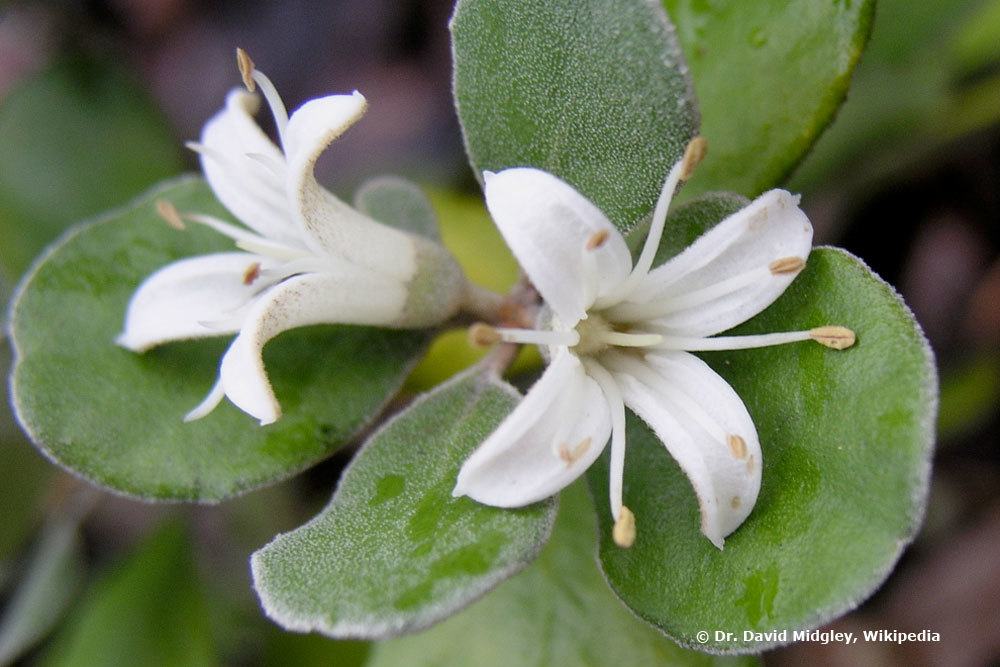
[
  {"x": 621, "y": 335},
  {"x": 309, "y": 258}
]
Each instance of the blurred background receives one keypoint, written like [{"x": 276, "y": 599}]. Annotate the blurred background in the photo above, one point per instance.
[{"x": 96, "y": 99}]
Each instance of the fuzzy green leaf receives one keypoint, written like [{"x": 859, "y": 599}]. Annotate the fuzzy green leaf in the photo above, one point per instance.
[
  {"x": 394, "y": 551},
  {"x": 558, "y": 613},
  {"x": 77, "y": 139},
  {"x": 115, "y": 417},
  {"x": 846, "y": 438},
  {"x": 591, "y": 91},
  {"x": 769, "y": 76}
]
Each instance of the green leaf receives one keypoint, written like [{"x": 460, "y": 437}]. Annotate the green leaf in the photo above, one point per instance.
[
  {"x": 400, "y": 203},
  {"x": 394, "y": 551},
  {"x": 147, "y": 611},
  {"x": 591, "y": 91},
  {"x": 558, "y": 613},
  {"x": 769, "y": 76},
  {"x": 50, "y": 582},
  {"x": 77, "y": 139},
  {"x": 846, "y": 439},
  {"x": 115, "y": 417}
]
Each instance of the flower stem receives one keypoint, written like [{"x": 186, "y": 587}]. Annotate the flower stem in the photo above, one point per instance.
[{"x": 482, "y": 304}]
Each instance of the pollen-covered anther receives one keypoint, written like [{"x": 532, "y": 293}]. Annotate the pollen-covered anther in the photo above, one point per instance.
[
  {"x": 737, "y": 445},
  {"x": 786, "y": 265},
  {"x": 246, "y": 69},
  {"x": 571, "y": 456},
  {"x": 833, "y": 337},
  {"x": 597, "y": 239},
  {"x": 169, "y": 213},
  {"x": 251, "y": 274},
  {"x": 693, "y": 155},
  {"x": 483, "y": 335},
  {"x": 624, "y": 531}
]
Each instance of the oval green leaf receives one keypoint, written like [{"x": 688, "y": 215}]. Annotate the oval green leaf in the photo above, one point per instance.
[
  {"x": 559, "y": 612},
  {"x": 592, "y": 91},
  {"x": 769, "y": 76},
  {"x": 394, "y": 551},
  {"x": 115, "y": 417},
  {"x": 846, "y": 438}
]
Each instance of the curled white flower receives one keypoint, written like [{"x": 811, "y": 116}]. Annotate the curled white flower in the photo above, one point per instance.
[
  {"x": 619, "y": 335},
  {"x": 308, "y": 257}
]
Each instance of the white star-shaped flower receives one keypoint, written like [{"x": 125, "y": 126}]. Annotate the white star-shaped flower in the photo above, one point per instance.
[
  {"x": 309, "y": 258},
  {"x": 621, "y": 335}
]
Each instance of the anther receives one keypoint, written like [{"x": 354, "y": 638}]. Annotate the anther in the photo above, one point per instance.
[
  {"x": 483, "y": 335},
  {"x": 737, "y": 445},
  {"x": 834, "y": 337},
  {"x": 624, "y": 531},
  {"x": 571, "y": 456},
  {"x": 597, "y": 239},
  {"x": 786, "y": 265},
  {"x": 693, "y": 154},
  {"x": 735, "y": 502},
  {"x": 169, "y": 213},
  {"x": 251, "y": 274},
  {"x": 246, "y": 69}
]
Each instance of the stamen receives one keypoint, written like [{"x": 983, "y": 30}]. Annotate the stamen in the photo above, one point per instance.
[
  {"x": 169, "y": 213},
  {"x": 224, "y": 228},
  {"x": 252, "y": 77},
  {"x": 735, "y": 502},
  {"x": 624, "y": 530},
  {"x": 246, "y": 69},
  {"x": 571, "y": 456},
  {"x": 251, "y": 274},
  {"x": 536, "y": 337},
  {"x": 616, "y": 404},
  {"x": 483, "y": 335},
  {"x": 619, "y": 339},
  {"x": 693, "y": 155},
  {"x": 786, "y": 265},
  {"x": 834, "y": 337},
  {"x": 731, "y": 342},
  {"x": 597, "y": 239},
  {"x": 737, "y": 445},
  {"x": 273, "y": 249}
]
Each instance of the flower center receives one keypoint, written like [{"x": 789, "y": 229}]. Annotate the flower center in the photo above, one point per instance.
[{"x": 597, "y": 334}]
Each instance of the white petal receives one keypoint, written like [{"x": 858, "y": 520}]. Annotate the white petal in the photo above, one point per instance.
[
  {"x": 694, "y": 412},
  {"x": 547, "y": 224},
  {"x": 335, "y": 297},
  {"x": 729, "y": 265},
  {"x": 332, "y": 227},
  {"x": 234, "y": 146},
  {"x": 549, "y": 440},
  {"x": 174, "y": 302}
]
